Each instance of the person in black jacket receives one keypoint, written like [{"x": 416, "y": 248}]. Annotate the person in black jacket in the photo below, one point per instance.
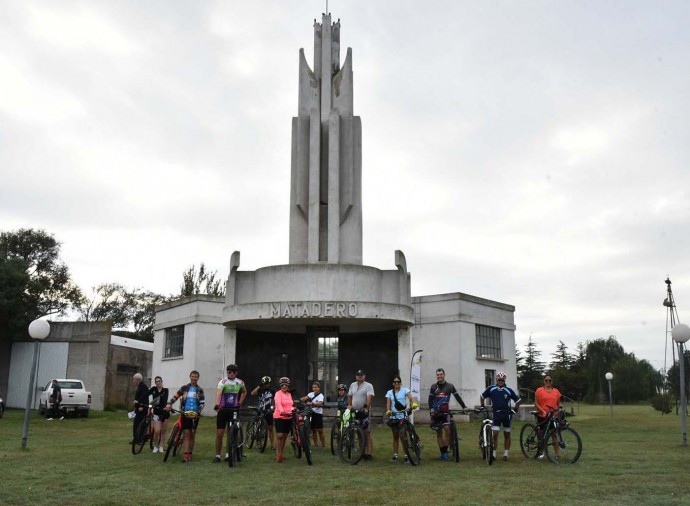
[
  {"x": 141, "y": 402},
  {"x": 55, "y": 400},
  {"x": 160, "y": 415}
]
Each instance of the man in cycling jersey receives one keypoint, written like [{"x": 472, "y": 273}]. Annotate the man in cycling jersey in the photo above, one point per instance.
[
  {"x": 439, "y": 400},
  {"x": 192, "y": 400},
  {"x": 266, "y": 394},
  {"x": 230, "y": 396},
  {"x": 500, "y": 396}
]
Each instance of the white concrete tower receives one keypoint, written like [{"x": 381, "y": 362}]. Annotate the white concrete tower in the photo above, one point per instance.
[{"x": 326, "y": 180}]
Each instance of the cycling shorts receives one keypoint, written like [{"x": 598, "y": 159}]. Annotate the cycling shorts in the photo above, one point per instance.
[
  {"x": 224, "y": 417},
  {"x": 501, "y": 419}
]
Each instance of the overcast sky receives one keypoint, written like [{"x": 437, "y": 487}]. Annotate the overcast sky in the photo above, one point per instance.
[{"x": 533, "y": 153}]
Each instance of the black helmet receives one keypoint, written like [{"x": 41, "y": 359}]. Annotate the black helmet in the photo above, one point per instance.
[{"x": 232, "y": 368}]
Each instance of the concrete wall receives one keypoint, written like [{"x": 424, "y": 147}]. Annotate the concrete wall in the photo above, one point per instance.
[{"x": 119, "y": 387}]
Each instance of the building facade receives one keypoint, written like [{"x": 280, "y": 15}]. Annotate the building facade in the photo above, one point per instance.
[{"x": 325, "y": 314}]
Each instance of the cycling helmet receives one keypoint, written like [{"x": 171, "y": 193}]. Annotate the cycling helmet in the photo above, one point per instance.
[
  {"x": 284, "y": 381},
  {"x": 500, "y": 376},
  {"x": 265, "y": 380},
  {"x": 233, "y": 368},
  {"x": 342, "y": 387}
]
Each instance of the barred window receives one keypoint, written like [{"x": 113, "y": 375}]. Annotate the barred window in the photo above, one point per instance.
[
  {"x": 488, "y": 342},
  {"x": 489, "y": 377},
  {"x": 174, "y": 342}
]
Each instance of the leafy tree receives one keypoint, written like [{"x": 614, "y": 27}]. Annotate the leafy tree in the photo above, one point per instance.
[
  {"x": 33, "y": 279},
  {"x": 561, "y": 358},
  {"x": 634, "y": 380},
  {"x": 530, "y": 368},
  {"x": 673, "y": 377},
  {"x": 600, "y": 355},
  {"x": 201, "y": 281}
]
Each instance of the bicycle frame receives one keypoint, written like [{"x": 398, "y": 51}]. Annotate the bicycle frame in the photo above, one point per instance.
[
  {"x": 486, "y": 435},
  {"x": 300, "y": 432},
  {"x": 235, "y": 438}
]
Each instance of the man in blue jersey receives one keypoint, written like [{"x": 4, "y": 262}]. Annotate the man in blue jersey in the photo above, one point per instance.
[
  {"x": 500, "y": 396},
  {"x": 192, "y": 402}
]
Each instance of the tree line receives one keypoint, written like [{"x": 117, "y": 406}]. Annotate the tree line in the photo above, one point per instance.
[{"x": 35, "y": 282}]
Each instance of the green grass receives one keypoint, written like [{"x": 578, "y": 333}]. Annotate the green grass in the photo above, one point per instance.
[{"x": 633, "y": 458}]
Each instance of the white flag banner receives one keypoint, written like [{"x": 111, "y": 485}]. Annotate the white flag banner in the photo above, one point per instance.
[{"x": 416, "y": 375}]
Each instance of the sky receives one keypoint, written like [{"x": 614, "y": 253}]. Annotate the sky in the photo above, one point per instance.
[{"x": 534, "y": 153}]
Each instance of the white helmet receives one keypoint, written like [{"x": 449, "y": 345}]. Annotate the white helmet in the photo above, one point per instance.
[{"x": 500, "y": 376}]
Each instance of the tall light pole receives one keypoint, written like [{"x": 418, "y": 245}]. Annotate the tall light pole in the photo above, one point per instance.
[
  {"x": 38, "y": 330},
  {"x": 681, "y": 334},
  {"x": 609, "y": 377}
]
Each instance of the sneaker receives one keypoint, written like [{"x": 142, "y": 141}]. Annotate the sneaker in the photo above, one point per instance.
[
  {"x": 367, "y": 456},
  {"x": 161, "y": 450},
  {"x": 49, "y": 419},
  {"x": 227, "y": 457},
  {"x": 406, "y": 460},
  {"x": 444, "y": 457},
  {"x": 505, "y": 457},
  {"x": 62, "y": 418},
  {"x": 216, "y": 459},
  {"x": 540, "y": 456},
  {"x": 394, "y": 458},
  {"x": 155, "y": 449}
]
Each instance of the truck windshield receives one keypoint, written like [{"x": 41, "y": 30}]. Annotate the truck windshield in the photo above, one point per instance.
[{"x": 75, "y": 385}]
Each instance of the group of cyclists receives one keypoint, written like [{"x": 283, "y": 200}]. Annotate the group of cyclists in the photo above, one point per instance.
[{"x": 279, "y": 405}]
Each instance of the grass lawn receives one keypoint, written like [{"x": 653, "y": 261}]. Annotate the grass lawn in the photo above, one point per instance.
[{"x": 633, "y": 458}]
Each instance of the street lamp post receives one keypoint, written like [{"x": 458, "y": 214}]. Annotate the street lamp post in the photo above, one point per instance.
[
  {"x": 609, "y": 377},
  {"x": 38, "y": 330},
  {"x": 681, "y": 334}
]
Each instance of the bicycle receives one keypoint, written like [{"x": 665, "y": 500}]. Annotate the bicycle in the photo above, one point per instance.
[
  {"x": 176, "y": 437},
  {"x": 453, "y": 446},
  {"x": 486, "y": 436},
  {"x": 410, "y": 440},
  {"x": 554, "y": 438},
  {"x": 235, "y": 438},
  {"x": 143, "y": 432},
  {"x": 352, "y": 440},
  {"x": 299, "y": 433},
  {"x": 336, "y": 431},
  {"x": 257, "y": 430}
]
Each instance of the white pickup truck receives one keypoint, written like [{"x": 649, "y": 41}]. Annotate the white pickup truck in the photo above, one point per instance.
[{"x": 75, "y": 398}]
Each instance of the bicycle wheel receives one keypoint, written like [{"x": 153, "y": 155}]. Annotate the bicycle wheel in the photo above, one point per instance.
[
  {"x": 529, "y": 440},
  {"x": 239, "y": 437},
  {"x": 296, "y": 448},
  {"x": 335, "y": 436},
  {"x": 172, "y": 443},
  {"x": 232, "y": 445},
  {"x": 250, "y": 433},
  {"x": 352, "y": 443},
  {"x": 150, "y": 435},
  {"x": 410, "y": 442},
  {"x": 304, "y": 443},
  {"x": 487, "y": 435},
  {"x": 139, "y": 439},
  {"x": 178, "y": 443},
  {"x": 261, "y": 435},
  {"x": 567, "y": 448},
  {"x": 454, "y": 447}
]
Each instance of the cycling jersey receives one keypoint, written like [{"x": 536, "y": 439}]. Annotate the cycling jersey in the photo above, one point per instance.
[
  {"x": 230, "y": 392},
  {"x": 500, "y": 397},
  {"x": 191, "y": 401},
  {"x": 266, "y": 398},
  {"x": 439, "y": 396},
  {"x": 342, "y": 404},
  {"x": 192, "y": 396}
]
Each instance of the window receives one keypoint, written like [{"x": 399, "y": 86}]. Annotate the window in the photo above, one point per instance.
[
  {"x": 488, "y": 342},
  {"x": 282, "y": 360},
  {"x": 489, "y": 377},
  {"x": 174, "y": 342}
]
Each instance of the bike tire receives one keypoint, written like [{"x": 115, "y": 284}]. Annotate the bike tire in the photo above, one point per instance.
[
  {"x": 335, "y": 437},
  {"x": 570, "y": 447},
  {"x": 304, "y": 443},
  {"x": 240, "y": 442},
  {"x": 261, "y": 435},
  {"x": 139, "y": 439},
  {"x": 232, "y": 445},
  {"x": 172, "y": 441},
  {"x": 454, "y": 446},
  {"x": 529, "y": 440},
  {"x": 352, "y": 445},
  {"x": 296, "y": 448},
  {"x": 151, "y": 435},
  {"x": 250, "y": 434},
  {"x": 410, "y": 442},
  {"x": 179, "y": 443},
  {"x": 488, "y": 437}
]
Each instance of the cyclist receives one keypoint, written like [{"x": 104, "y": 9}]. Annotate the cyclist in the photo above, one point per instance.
[
  {"x": 341, "y": 401},
  {"x": 230, "y": 396},
  {"x": 266, "y": 394},
  {"x": 160, "y": 415},
  {"x": 192, "y": 400},
  {"x": 360, "y": 397},
  {"x": 546, "y": 396},
  {"x": 141, "y": 401},
  {"x": 315, "y": 399},
  {"x": 282, "y": 415},
  {"x": 500, "y": 396},
  {"x": 439, "y": 400},
  {"x": 396, "y": 403}
]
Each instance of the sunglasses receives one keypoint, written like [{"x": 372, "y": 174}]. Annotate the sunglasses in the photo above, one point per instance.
[
  {"x": 548, "y": 381},
  {"x": 396, "y": 381}
]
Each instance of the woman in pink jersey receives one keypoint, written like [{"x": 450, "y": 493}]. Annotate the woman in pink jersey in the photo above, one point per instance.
[{"x": 282, "y": 415}]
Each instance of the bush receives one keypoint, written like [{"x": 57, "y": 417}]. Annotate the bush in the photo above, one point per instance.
[{"x": 663, "y": 403}]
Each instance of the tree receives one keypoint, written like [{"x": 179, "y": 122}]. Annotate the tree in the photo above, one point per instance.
[
  {"x": 601, "y": 355},
  {"x": 201, "y": 281},
  {"x": 531, "y": 369},
  {"x": 561, "y": 358},
  {"x": 34, "y": 281}
]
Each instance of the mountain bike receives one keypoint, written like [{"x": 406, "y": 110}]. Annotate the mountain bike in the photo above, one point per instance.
[
  {"x": 486, "y": 436},
  {"x": 336, "y": 431},
  {"x": 453, "y": 444},
  {"x": 235, "y": 438},
  {"x": 257, "y": 430},
  {"x": 299, "y": 433},
  {"x": 410, "y": 440},
  {"x": 352, "y": 439},
  {"x": 144, "y": 432},
  {"x": 553, "y": 438},
  {"x": 176, "y": 437}
]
